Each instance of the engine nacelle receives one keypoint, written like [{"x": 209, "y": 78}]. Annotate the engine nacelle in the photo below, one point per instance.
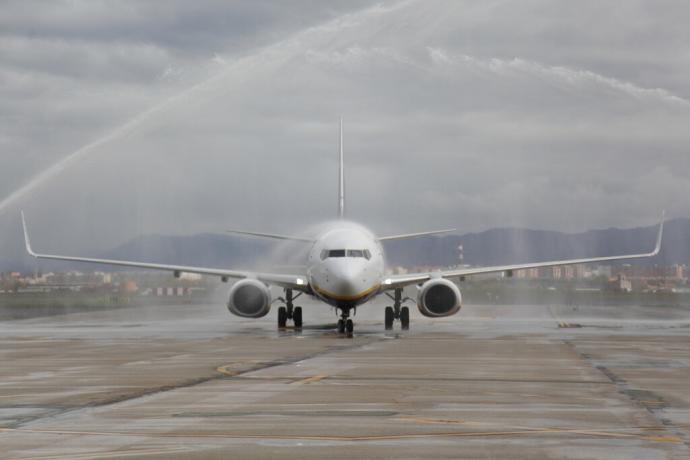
[
  {"x": 249, "y": 299},
  {"x": 439, "y": 297}
]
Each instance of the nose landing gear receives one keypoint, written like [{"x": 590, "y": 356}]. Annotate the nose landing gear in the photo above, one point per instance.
[
  {"x": 289, "y": 311},
  {"x": 345, "y": 324},
  {"x": 397, "y": 312}
]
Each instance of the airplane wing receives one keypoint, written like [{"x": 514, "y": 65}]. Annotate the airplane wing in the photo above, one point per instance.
[
  {"x": 398, "y": 281},
  {"x": 297, "y": 282},
  {"x": 273, "y": 236},
  {"x": 412, "y": 235}
]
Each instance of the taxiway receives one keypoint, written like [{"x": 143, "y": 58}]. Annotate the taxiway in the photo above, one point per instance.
[{"x": 193, "y": 382}]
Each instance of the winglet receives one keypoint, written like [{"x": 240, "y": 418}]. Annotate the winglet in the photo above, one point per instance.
[
  {"x": 27, "y": 240},
  {"x": 657, "y": 248}
]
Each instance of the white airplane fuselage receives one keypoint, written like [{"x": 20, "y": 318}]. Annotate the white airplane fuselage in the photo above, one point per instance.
[{"x": 345, "y": 265}]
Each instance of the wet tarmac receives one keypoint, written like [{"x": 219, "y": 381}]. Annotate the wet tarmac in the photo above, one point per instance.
[{"x": 193, "y": 382}]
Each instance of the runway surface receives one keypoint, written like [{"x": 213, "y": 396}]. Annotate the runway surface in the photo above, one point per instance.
[{"x": 193, "y": 382}]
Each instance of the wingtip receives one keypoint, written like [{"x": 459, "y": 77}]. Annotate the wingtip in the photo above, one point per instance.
[
  {"x": 660, "y": 234},
  {"x": 27, "y": 240}
]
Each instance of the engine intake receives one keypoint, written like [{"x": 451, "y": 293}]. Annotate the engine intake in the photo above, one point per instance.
[
  {"x": 439, "y": 297},
  {"x": 249, "y": 299}
]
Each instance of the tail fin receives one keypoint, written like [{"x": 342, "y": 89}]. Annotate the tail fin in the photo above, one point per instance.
[{"x": 341, "y": 177}]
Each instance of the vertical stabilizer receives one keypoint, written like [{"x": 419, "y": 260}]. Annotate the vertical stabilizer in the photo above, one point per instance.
[{"x": 341, "y": 177}]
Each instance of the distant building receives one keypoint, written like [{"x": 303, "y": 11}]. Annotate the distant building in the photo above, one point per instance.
[
  {"x": 171, "y": 291},
  {"x": 602, "y": 270},
  {"x": 622, "y": 284},
  {"x": 556, "y": 273},
  {"x": 568, "y": 272},
  {"x": 129, "y": 286},
  {"x": 679, "y": 272}
]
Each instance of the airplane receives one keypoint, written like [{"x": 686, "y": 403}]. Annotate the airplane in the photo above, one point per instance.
[{"x": 345, "y": 268}]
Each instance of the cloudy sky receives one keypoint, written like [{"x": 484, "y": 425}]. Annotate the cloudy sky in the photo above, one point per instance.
[{"x": 178, "y": 117}]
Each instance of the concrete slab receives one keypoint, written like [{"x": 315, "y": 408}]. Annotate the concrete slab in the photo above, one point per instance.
[{"x": 492, "y": 382}]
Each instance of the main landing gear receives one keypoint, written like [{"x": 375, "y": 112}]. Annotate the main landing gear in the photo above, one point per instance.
[
  {"x": 345, "y": 324},
  {"x": 397, "y": 312},
  {"x": 289, "y": 311}
]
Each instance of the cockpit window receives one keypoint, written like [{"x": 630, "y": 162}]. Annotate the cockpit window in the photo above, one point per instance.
[{"x": 326, "y": 253}]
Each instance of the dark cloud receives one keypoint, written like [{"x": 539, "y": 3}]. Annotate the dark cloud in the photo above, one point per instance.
[{"x": 471, "y": 114}]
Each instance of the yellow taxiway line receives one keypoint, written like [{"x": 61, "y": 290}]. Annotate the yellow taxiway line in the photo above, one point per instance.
[
  {"x": 226, "y": 370},
  {"x": 312, "y": 379}
]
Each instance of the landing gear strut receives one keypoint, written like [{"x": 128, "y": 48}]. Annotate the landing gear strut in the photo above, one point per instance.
[
  {"x": 397, "y": 312},
  {"x": 289, "y": 311},
  {"x": 345, "y": 324}
]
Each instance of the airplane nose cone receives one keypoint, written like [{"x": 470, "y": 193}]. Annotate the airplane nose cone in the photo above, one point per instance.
[{"x": 347, "y": 280}]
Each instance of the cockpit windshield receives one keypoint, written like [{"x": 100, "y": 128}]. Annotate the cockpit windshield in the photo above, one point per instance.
[{"x": 328, "y": 253}]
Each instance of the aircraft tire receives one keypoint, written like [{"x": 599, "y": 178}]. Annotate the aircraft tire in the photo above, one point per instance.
[
  {"x": 282, "y": 317},
  {"x": 388, "y": 318},
  {"x": 350, "y": 327},
  {"x": 297, "y": 317},
  {"x": 405, "y": 318}
]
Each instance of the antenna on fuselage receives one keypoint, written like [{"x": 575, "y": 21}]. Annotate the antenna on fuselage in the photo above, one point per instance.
[{"x": 341, "y": 177}]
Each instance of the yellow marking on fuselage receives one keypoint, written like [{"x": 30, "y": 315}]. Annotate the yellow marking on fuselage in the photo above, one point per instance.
[{"x": 346, "y": 298}]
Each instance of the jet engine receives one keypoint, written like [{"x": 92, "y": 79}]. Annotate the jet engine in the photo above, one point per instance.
[
  {"x": 249, "y": 299},
  {"x": 439, "y": 297}
]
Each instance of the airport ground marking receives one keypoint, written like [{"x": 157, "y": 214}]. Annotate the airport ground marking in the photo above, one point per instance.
[
  {"x": 312, "y": 379},
  {"x": 226, "y": 371}
]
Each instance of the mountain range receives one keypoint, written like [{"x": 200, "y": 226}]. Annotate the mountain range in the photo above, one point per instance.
[{"x": 490, "y": 247}]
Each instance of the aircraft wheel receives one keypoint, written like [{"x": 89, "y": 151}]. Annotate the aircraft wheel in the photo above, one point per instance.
[
  {"x": 350, "y": 326},
  {"x": 282, "y": 317},
  {"x": 341, "y": 326},
  {"x": 405, "y": 318},
  {"x": 388, "y": 318},
  {"x": 297, "y": 317}
]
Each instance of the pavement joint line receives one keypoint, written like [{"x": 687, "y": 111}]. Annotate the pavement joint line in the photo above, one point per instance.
[
  {"x": 354, "y": 438},
  {"x": 107, "y": 454},
  {"x": 261, "y": 365},
  {"x": 452, "y": 379},
  {"x": 651, "y": 406},
  {"x": 422, "y": 378},
  {"x": 608, "y": 432}
]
